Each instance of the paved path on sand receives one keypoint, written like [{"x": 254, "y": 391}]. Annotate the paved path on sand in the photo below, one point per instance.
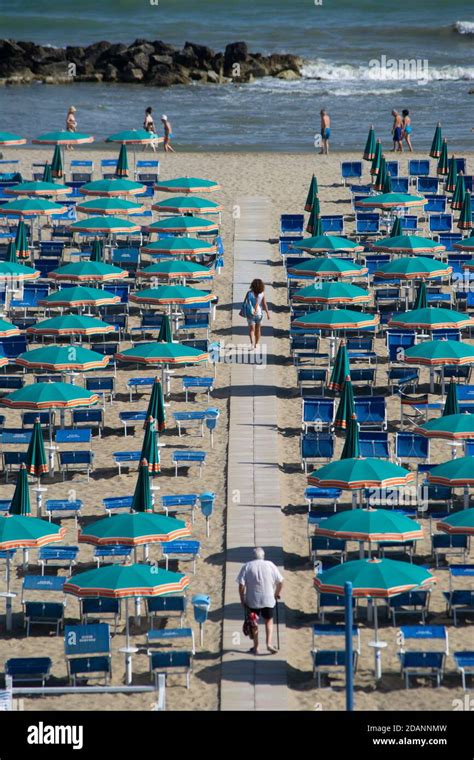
[{"x": 254, "y": 515}]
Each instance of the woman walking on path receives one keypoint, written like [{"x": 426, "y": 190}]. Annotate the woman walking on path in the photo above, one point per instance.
[{"x": 253, "y": 307}]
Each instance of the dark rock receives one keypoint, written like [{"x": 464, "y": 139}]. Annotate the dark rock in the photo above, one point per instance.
[
  {"x": 10, "y": 50},
  {"x": 279, "y": 63},
  {"x": 86, "y": 68},
  {"x": 157, "y": 59},
  {"x": 131, "y": 73},
  {"x": 186, "y": 57},
  {"x": 236, "y": 52},
  {"x": 161, "y": 48},
  {"x": 21, "y": 76},
  {"x": 197, "y": 75},
  {"x": 289, "y": 75},
  {"x": 164, "y": 76},
  {"x": 141, "y": 61},
  {"x": 213, "y": 78},
  {"x": 75, "y": 53},
  {"x": 111, "y": 73},
  {"x": 58, "y": 70},
  {"x": 95, "y": 77},
  {"x": 201, "y": 52},
  {"x": 142, "y": 47}
]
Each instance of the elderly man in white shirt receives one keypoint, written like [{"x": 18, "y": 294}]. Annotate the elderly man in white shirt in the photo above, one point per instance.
[{"x": 260, "y": 584}]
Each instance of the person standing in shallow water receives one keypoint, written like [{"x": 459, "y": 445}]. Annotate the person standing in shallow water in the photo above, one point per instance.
[{"x": 253, "y": 307}]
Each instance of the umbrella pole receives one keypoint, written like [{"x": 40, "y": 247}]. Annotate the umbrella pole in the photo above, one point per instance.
[
  {"x": 349, "y": 656},
  {"x": 8, "y": 600},
  {"x": 466, "y": 497}
]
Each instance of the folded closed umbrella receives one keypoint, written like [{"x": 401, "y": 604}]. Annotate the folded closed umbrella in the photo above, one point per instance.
[
  {"x": 451, "y": 405},
  {"x": 36, "y": 460},
  {"x": 156, "y": 406},
  {"x": 375, "y": 166},
  {"x": 20, "y": 503},
  {"x": 47, "y": 173},
  {"x": 459, "y": 193},
  {"x": 346, "y": 407},
  {"x": 165, "y": 334},
  {"x": 421, "y": 301},
  {"x": 340, "y": 370},
  {"x": 57, "y": 170},
  {"x": 437, "y": 142},
  {"x": 369, "y": 150},
  {"x": 142, "y": 499},
  {"x": 381, "y": 175},
  {"x": 97, "y": 253},
  {"x": 121, "y": 170},
  {"x": 314, "y": 226},
  {"x": 465, "y": 218},
  {"x": 312, "y": 193},
  {"x": 396, "y": 230},
  {"x": 11, "y": 256},
  {"x": 21, "y": 241},
  {"x": 443, "y": 162},
  {"x": 351, "y": 448},
  {"x": 451, "y": 178},
  {"x": 150, "y": 451}
]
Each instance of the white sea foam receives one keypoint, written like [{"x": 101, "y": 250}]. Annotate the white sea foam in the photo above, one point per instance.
[
  {"x": 325, "y": 71},
  {"x": 464, "y": 27}
]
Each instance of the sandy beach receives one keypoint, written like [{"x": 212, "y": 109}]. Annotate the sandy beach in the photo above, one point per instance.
[{"x": 284, "y": 178}]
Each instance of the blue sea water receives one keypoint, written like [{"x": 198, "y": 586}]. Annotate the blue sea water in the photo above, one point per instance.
[{"x": 343, "y": 42}]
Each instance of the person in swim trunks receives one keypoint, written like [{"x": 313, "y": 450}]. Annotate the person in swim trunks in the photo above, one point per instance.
[
  {"x": 397, "y": 130},
  {"x": 407, "y": 128},
  {"x": 325, "y": 131}
]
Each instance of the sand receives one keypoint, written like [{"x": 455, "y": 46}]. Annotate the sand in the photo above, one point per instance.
[{"x": 284, "y": 178}]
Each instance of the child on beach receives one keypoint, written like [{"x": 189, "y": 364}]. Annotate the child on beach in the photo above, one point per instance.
[
  {"x": 407, "y": 129},
  {"x": 168, "y": 133},
  {"x": 397, "y": 130},
  {"x": 253, "y": 307},
  {"x": 71, "y": 123},
  {"x": 325, "y": 132}
]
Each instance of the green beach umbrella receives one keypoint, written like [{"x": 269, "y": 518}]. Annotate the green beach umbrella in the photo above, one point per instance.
[
  {"x": 20, "y": 504},
  {"x": 421, "y": 301},
  {"x": 180, "y": 246},
  {"x": 443, "y": 163},
  {"x": 452, "y": 175},
  {"x": 336, "y": 319},
  {"x": 375, "y": 167},
  {"x": 396, "y": 230},
  {"x": 156, "y": 406},
  {"x": 88, "y": 271},
  {"x": 109, "y": 206},
  {"x": 150, "y": 451},
  {"x": 459, "y": 193},
  {"x": 187, "y": 204},
  {"x": 162, "y": 353},
  {"x": 171, "y": 294},
  {"x": 346, "y": 407},
  {"x": 455, "y": 474},
  {"x": 112, "y": 187},
  {"x": 437, "y": 144},
  {"x": 332, "y": 293},
  {"x": 312, "y": 193},
  {"x": 57, "y": 170},
  {"x": 71, "y": 324},
  {"x": 413, "y": 268},
  {"x": 370, "y": 525},
  {"x": 47, "y": 174},
  {"x": 434, "y": 353},
  {"x": 408, "y": 244},
  {"x": 56, "y": 358},
  {"x": 7, "y": 330},
  {"x": 38, "y": 396},
  {"x": 134, "y": 137},
  {"x": 134, "y": 530},
  {"x": 17, "y": 272},
  {"x": 32, "y": 207},
  {"x": 430, "y": 318},
  {"x": 21, "y": 241},
  {"x": 112, "y": 225},
  {"x": 451, "y": 405},
  {"x": 354, "y": 474},
  {"x": 324, "y": 243},
  {"x": 465, "y": 219},
  {"x": 18, "y": 532},
  {"x": 452, "y": 427},
  {"x": 187, "y": 185},
  {"x": 340, "y": 370},
  {"x": 387, "y": 183},
  {"x": 467, "y": 244},
  {"x": 142, "y": 498},
  {"x": 121, "y": 170},
  {"x": 38, "y": 188},
  {"x": 165, "y": 335},
  {"x": 351, "y": 448},
  {"x": 176, "y": 270},
  {"x": 7, "y": 138},
  {"x": 381, "y": 175},
  {"x": 376, "y": 578},
  {"x": 36, "y": 460},
  {"x": 63, "y": 138},
  {"x": 78, "y": 296},
  {"x": 314, "y": 226},
  {"x": 461, "y": 523},
  {"x": 11, "y": 256},
  {"x": 392, "y": 200},
  {"x": 369, "y": 150},
  {"x": 328, "y": 267},
  {"x": 97, "y": 253},
  {"x": 184, "y": 225}
]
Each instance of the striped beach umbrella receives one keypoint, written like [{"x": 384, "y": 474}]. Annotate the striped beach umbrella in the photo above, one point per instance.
[
  {"x": 396, "y": 230},
  {"x": 36, "y": 460},
  {"x": 176, "y": 270},
  {"x": 437, "y": 353},
  {"x": 340, "y": 370},
  {"x": 465, "y": 218},
  {"x": 351, "y": 448},
  {"x": 156, "y": 406},
  {"x": 112, "y": 225},
  {"x": 162, "y": 353},
  {"x": 110, "y": 188},
  {"x": 63, "y": 138},
  {"x": 17, "y": 272},
  {"x": 369, "y": 150},
  {"x": 376, "y": 578},
  {"x": 314, "y": 226},
  {"x": 56, "y": 358},
  {"x": 180, "y": 246},
  {"x": 430, "y": 318},
  {"x": 47, "y": 173},
  {"x": 327, "y": 243},
  {"x": 413, "y": 268},
  {"x": 150, "y": 451},
  {"x": 187, "y": 204},
  {"x": 336, "y": 319},
  {"x": 18, "y": 532},
  {"x": 457, "y": 473},
  {"x": 57, "y": 170},
  {"x": 466, "y": 245},
  {"x": 78, "y": 296},
  {"x": 165, "y": 334},
  {"x": 109, "y": 206},
  {"x": 459, "y": 193},
  {"x": 443, "y": 164},
  {"x": 451, "y": 404},
  {"x": 450, "y": 185},
  {"x": 121, "y": 170},
  {"x": 134, "y": 137},
  {"x": 32, "y": 207},
  {"x": 392, "y": 200},
  {"x": 346, "y": 407},
  {"x": 134, "y": 529},
  {"x": 452, "y": 427},
  {"x": 407, "y": 244},
  {"x": 184, "y": 225},
  {"x": 38, "y": 188},
  {"x": 171, "y": 294},
  {"x": 97, "y": 253},
  {"x": 88, "y": 271},
  {"x": 20, "y": 503},
  {"x": 8, "y": 138},
  {"x": 312, "y": 193},
  {"x": 460, "y": 523},
  {"x": 11, "y": 256},
  {"x": 354, "y": 474},
  {"x": 437, "y": 143},
  {"x": 369, "y": 525},
  {"x": 381, "y": 175},
  {"x": 7, "y": 330},
  {"x": 187, "y": 185},
  {"x": 332, "y": 293},
  {"x": 375, "y": 166},
  {"x": 142, "y": 499},
  {"x": 328, "y": 267},
  {"x": 41, "y": 396},
  {"x": 71, "y": 324},
  {"x": 21, "y": 241}
]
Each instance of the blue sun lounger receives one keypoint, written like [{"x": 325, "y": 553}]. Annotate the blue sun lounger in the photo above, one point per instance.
[
  {"x": 332, "y": 603},
  {"x": 111, "y": 552},
  {"x": 60, "y": 556},
  {"x": 101, "y": 608},
  {"x": 180, "y": 503},
  {"x": 186, "y": 551},
  {"x": 87, "y": 650},
  {"x": 465, "y": 665},
  {"x": 459, "y": 601},
  {"x": 171, "y": 663},
  {"x": 423, "y": 663},
  {"x": 186, "y": 458},
  {"x": 126, "y": 459},
  {"x": 28, "y": 669},
  {"x": 132, "y": 419},
  {"x": 326, "y": 661},
  {"x": 445, "y": 543},
  {"x": 315, "y": 447},
  {"x": 137, "y": 384},
  {"x": 410, "y": 603},
  {"x": 198, "y": 384},
  {"x": 167, "y": 636},
  {"x": 166, "y": 606},
  {"x": 43, "y": 612},
  {"x": 61, "y": 507},
  {"x": 117, "y": 504},
  {"x": 318, "y": 413}
]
